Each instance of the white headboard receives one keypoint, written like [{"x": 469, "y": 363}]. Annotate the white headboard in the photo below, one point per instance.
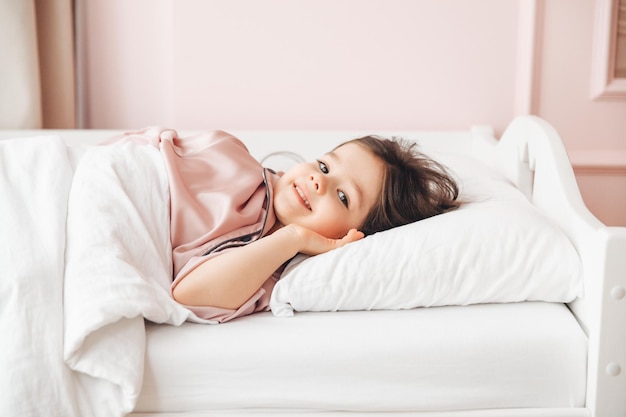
[{"x": 532, "y": 155}]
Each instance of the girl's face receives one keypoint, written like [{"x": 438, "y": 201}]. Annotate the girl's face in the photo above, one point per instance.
[{"x": 331, "y": 195}]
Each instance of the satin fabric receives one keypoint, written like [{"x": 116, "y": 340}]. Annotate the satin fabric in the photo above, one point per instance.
[{"x": 220, "y": 198}]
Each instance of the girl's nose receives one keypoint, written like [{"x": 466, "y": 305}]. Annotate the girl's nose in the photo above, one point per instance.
[{"x": 318, "y": 183}]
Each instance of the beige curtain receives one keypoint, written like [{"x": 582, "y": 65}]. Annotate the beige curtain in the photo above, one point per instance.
[
  {"x": 37, "y": 87},
  {"x": 620, "y": 52}
]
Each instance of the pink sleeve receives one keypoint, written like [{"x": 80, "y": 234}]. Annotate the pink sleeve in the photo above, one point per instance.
[
  {"x": 150, "y": 135},
  {"x": 260, "y": 301}
]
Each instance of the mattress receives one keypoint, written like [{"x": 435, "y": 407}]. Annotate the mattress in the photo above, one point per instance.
[{"x": 530, "y": 354}]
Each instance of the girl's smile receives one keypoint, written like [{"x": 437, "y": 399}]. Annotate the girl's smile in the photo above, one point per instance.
[{"x": 302, "y": 195}]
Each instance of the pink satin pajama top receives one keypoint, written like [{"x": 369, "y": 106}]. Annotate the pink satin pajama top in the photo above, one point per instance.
[{"x": 220, "y": 198}]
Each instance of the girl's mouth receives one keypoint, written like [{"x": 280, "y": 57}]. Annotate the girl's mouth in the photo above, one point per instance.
[{"x": 302, "y": 196}]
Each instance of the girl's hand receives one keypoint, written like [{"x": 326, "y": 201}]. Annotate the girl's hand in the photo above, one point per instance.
[{"x": 312, "y": 243}]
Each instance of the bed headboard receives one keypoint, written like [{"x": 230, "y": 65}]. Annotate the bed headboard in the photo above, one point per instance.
[{"x": 532, "y": 155}]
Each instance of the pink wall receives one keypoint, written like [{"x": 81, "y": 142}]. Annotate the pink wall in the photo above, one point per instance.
[
  {"x": 594, "y": 130},
  {"x": 350, "y": 64},
  {"x": 305, "y": 64}
]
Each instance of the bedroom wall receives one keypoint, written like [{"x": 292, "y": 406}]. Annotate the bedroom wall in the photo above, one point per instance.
[{"x": 348, "y": 64}]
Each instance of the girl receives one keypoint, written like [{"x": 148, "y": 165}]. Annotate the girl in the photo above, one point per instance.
[{"x": 235, "y": 224}]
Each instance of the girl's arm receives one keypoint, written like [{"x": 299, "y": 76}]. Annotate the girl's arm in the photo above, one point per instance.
[{"x": 229, "y": 280}]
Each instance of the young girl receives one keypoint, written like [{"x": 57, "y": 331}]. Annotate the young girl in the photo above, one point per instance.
[{"x": 235, "y": 224}]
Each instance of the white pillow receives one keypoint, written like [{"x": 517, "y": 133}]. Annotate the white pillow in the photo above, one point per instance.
[{"x": 497, "y": 248}]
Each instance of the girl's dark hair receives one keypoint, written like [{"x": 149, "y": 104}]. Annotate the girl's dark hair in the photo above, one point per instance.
[{"x": 415, "y": 186}]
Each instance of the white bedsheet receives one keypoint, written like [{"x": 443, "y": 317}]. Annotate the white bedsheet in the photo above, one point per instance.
[
  {"x": 486, "y": 356},
  {"x": 84, "y": 257}
]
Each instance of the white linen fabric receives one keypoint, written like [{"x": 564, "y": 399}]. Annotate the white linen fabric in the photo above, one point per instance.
[
  {"x": 496, "y": 248},
  {"x": 84, "y": 258},
  {"x": 518, "y": 355}
]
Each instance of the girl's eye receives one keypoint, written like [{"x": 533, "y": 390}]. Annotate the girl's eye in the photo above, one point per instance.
[
  {"x": 343, "y": 198},
  {"x": 323, "y": 167}
]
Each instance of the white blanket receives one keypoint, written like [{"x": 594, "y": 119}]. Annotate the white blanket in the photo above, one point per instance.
[{"x": 84, "y": 257}]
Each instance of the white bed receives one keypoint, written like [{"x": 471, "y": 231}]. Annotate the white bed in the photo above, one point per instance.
[{"x": 500, "y": 351}]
